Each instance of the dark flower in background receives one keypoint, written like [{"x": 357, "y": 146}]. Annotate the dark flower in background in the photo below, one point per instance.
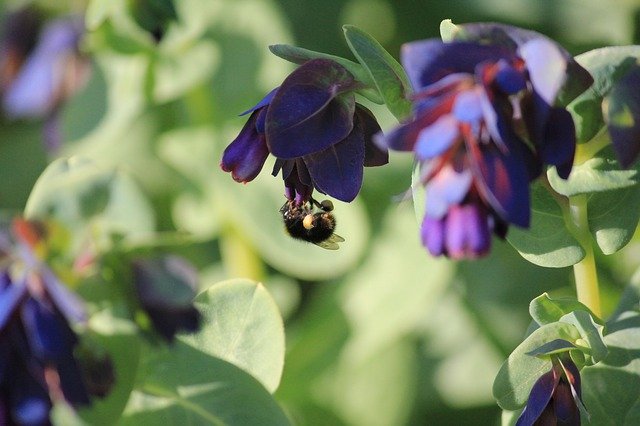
[
  {"x": 165, "y": 287},
  {"x": 484, "y": 125},
  {"x": 554, "y": 397},
  {"x": 37, "y": 362},
  {"x": 40, "y": 67},
  {"x": 320, "y": 136}
]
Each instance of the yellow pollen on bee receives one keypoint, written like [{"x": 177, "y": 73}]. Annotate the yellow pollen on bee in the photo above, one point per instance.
[{"x": 307, "y": 222}]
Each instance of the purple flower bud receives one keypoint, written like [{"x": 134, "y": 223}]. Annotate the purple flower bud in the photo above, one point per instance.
[
  {"x": 246, "y": 155},
  {"x": 555, "y": 396}
]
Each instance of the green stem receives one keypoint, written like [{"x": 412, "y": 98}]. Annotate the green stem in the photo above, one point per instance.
[
  {"x": 584, "y": 271},
  {"x": 239, "y": 257}
]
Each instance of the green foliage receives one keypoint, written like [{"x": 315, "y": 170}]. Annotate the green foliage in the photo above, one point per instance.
[
  {"x": 387, "y": 74},
  {"x": 242, "y": 325},
  {"x": 521, "y": 370},
  {"x": 547, "y": 242}
]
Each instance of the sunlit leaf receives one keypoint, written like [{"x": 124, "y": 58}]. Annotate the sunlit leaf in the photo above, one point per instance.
[
  {"x": 547, "y": 242},
  {"x": 545, "y": 310},
  {"x": 241, "y": 324},
  {"x": 387, "y": 74}
]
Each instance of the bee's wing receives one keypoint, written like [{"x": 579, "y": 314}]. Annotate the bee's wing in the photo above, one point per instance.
[{"x": 331, "y": 243}]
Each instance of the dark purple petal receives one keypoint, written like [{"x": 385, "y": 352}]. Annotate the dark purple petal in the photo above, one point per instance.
[
  {"x": 337, "y": 171},
  {"x": 28, "y": 400},
  {"x": 49, "y": 336},
  {"x": 264, "y": 102},
  {"x": 432, "y": 234},
  {"x": 467, "y": 232},
  {"x": 503, "y": 181},
  {"x": 622, "y": 115},
  {"x": 428, "y": 61},
  {"x": 564, "y": 406},
  {"x": 559, "y": 142},
  {"x": 72, "y": 382},
  {"x": 509, "y": 79},
  {"x": 294, "y": 188},
  {"x": 165, "y": 287},
  {"x": 245, "y": 156},
  {"x": 10, "y": 298},
  {"x": 307, "y": 114},
  {"x": 373, "y": 154},
  {"x": 539, "y": 398}
]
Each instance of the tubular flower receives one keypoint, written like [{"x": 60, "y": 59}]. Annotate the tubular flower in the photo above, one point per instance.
[
  {"x": 320, "y": 136},
  {"x": 37, "y": 361},
  {"x": 554, "y": 397},
  {"x": 484, "y": 125}
]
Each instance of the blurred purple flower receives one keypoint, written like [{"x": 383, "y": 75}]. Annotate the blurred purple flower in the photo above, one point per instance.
[
  {"x": 40, "y": 67},
  {"x": 484, "y": 124},
  {"x": 554, "y": 397},
  {"x": 320, "y": 136},
  {"x": 166, "y": 287},
  {"x": 37, "y": 344}
]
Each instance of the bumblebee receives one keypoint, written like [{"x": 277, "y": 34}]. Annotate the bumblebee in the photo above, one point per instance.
[{"x": 302, "y": 222}]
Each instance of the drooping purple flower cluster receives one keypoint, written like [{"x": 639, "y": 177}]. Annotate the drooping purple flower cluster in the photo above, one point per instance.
[
  {"x": 40, "y": 67},
  {"x": 37, "y": 362},
  {"x": 165, "y": 288},
  {"x": 554, "y": 397},
  {"x": 484, "y": 124},
  {"x": 320, "y": 136}
]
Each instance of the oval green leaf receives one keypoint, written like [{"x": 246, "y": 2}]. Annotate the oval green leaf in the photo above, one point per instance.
[
  {"x": 242, "y": 325},
  {"x": 183, "y": 385},
  {"x": 547, "y": 242},
  {"x": 387, "y": 74}
]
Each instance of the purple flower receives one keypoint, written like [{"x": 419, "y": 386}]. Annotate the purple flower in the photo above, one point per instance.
[
  {"x": 554, "y": 397},
  {"x": 484, "y": 125},
  {"x": 165, "y": 287},
  {"x": 40, "y": 67},
  {"x": 320, "y": 136},
  {"x": 37, "y": 344}
]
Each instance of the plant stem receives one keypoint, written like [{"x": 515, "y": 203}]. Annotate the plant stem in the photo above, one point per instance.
[
  {"x": 239, "y": 257},
  {"x": 584, "y": 271}
]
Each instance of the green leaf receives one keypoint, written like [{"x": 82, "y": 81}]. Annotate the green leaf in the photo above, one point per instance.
[
  {"x": 552, "y": 348},
  {"x": 545, "y": 310},
  {"x": 590, "y": 331},
  {"x": 183, "y": 385},
  {"x": 610, "y": 388},
  {"x": 613, "y": 217},
  {"x": 299, "y": 55},
  {"x": 79, "y": 193},
  {"x": 98, "y": 11},
  {"x": 242, "y": 325},
  {"x": 598, "y": 174},
  {"x": 606, "y": 65},
  {"x": 547, "y": 242},
  {"x": 520, "y": 371},
  {"x": 387, "y": 74},
  {"x": 448, "y": 30}
]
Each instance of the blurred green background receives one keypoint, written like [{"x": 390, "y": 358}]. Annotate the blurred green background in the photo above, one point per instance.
[{"x": 378, "y": 333}]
